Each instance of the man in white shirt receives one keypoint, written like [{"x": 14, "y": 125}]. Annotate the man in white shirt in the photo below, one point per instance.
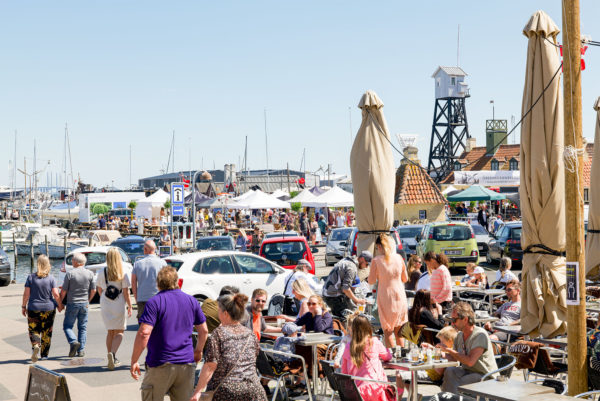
[
  {"x": 302, "y": 271},
  {"x": 340, "y": 221}
]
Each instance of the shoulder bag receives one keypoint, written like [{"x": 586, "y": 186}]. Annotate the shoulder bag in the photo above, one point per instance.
[
  {"x": 111, "y": 291},
  {"x": 208, "y": 395}
]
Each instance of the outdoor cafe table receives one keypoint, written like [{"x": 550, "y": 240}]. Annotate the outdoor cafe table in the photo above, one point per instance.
[
  {"x": 514, "y": 330},
  {"x": 509, "y": 390},
  {"x": 489, "y": 294},
  {"x": 480, "y": 321},
  {"x": 558, "y": 342},
  {"x": 311, "y": 340},
  {"x": 413, "y": 368}
]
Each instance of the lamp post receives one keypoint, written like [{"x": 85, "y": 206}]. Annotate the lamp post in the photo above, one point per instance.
[{"x": 193, "y": 183}]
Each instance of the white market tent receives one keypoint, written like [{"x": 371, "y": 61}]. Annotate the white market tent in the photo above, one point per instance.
[
  {"x": 279, "y": 193},
  {"x": 304, "y": 196},
  {"x": 150, "y": 207},
  {"x": 260, "y": 200},
  {"x": 244, "y": 195},
  {"x": 335, "y": 197},
  {"x": 449, "y": 189}
]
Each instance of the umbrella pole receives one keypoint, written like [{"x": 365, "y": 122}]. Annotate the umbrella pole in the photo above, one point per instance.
[{"x": 576, "y": 327}]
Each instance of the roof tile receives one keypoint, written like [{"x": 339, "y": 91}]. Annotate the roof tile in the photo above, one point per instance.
[{"x": 414, "y": 186}]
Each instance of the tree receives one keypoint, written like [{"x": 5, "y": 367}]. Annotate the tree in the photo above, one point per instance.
[
  {"x": 132, "y": 205},
  {"x": 296, "y": 206},
  {"x": 167, "y": 206}
]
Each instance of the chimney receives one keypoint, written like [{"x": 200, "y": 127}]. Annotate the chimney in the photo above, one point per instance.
[
  {"x": 411, "y": 153},
  {"x": 471, "y": 143}
]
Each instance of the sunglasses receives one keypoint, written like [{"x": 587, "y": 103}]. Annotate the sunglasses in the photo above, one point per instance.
[
  {"x": 509, "y": 289},
  {"x": 454, "y": 319},
  {"x": 311, "y": 303},
  {"x": 260, "y": 301}
]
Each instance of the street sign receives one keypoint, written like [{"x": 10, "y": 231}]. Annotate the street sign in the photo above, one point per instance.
[{"x": 177, "y": 197}]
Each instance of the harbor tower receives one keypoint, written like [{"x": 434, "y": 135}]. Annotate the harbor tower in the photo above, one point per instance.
[{"x": 450, "y": 129}]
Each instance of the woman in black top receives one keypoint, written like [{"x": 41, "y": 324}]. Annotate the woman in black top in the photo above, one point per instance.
[{"x": 426, "y": 312}]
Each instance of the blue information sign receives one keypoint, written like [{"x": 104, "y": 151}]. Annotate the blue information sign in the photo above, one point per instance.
[
  {"x": 177, "y": 210},
  {"x": 177, "y": 197}
]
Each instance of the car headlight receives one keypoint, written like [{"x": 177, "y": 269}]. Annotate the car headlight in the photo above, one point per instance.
[{"x": 3, "y": 259}]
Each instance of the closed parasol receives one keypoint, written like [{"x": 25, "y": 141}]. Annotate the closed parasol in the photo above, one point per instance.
[
  {"x": 373, "y": 178},
  {"x": 592, "y": 243},
  {"x": 543, "y": 304}
]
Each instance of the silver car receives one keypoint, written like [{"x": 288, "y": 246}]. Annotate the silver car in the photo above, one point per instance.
[
  {"x": 483, "y": 239},
  {"x": 336, "y": 245}
]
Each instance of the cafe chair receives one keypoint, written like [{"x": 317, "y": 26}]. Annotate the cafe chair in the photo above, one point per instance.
[
  {"x": 272, "y": 369},
  {"x": 447, "y": 396},
  {"x": 505, "y": 365},
  {"x": 329, "y": 373},
  {"x": 349, "y": 392},
  {"x": 593, "y": 395},
  {"x": 558, "y": 386}
]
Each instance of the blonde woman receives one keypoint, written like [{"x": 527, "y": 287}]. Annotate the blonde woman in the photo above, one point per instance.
[
  {"x": 113, "y": 288},
  {"x": 40, "y": 300},
  {"x": 302, "y": 292},
  {"x": 389, "y": 270}
]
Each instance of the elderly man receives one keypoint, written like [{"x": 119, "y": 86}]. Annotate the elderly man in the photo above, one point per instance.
[
  {"x": 166, "y": 330},
  {"x": 143, "y": 277},
  {"x": 256, "y": 321},
  {"x": 78, "y": 288},
  {"x": 509, "y": 313},
  {"x": 472, "y": 348},
  {"x": 302, "y": 270},
  {"x": 337, "y": 291}
]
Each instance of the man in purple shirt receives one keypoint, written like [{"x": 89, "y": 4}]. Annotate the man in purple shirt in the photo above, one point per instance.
[{"x": 166, "y": 328}]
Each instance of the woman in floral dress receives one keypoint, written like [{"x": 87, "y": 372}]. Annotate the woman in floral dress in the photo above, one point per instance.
[{"x": 230, "y": 359}]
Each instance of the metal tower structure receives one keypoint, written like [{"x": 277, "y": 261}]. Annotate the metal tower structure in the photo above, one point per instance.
[{"x": 450, "y": 129}]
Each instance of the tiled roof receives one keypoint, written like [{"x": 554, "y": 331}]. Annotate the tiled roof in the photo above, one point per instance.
[
  {"x": 415, "y": 187},
  {"x": 476, "y": 160}
]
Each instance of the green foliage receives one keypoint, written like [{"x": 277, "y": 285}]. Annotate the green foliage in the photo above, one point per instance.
[
  {"x": 132, "y": 205},
  {"x": 473, "y": 203},
  {"x": 293, "y": 194},
  {"x": 167, "y": 204},
  {"x": 100, "y": 208},
  {"x": 296, "y": 206}
]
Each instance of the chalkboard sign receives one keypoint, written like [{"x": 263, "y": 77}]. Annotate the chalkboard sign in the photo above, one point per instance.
[{"x": 46, "y": 385}]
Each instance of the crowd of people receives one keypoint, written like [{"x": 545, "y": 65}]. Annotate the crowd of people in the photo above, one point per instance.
[{"x": 227, "y": 331}]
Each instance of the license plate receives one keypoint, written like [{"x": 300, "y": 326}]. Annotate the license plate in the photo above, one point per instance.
[{"x": 453, "y": 252}]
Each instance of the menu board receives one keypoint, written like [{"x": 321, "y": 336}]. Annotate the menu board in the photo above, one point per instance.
[{"x": 46, "y": 385}]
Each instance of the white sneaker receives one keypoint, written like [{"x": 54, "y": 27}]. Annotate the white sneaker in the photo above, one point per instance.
[
  {"x": 111, "y": 361},
  {"x": 117, "y": 362},
  {"x": 35, "y": 352}
]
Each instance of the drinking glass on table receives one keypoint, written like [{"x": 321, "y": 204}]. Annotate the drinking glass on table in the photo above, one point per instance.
[
  {"x": 437, "y": 354},
  {"x": 414, "y": 354}
]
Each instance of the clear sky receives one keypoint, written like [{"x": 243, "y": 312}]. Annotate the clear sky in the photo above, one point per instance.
[{"x": 128, "y": 73}]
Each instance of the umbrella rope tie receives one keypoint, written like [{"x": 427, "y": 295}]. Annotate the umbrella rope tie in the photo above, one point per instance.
[
  {"x": 570, "y": 155},
  {"x": 545, "y": 250},
  {"x": 375, "y": 232},
  {"x": 594, "y": 231}
]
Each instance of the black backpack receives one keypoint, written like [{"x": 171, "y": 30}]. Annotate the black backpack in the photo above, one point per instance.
[{"x": 111, "y": 291}]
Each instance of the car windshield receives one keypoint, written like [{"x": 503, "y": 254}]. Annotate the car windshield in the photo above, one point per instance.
[
  {"x": 451, "y": 233},
  {"x": 479, "y": 230},
  {"x": 515, "y": 233},
  {"x": 132, "y": 247},
  {"x": 284, "y": 253},
  {"x": 409, "y": 232},
  {"x": 340, "y": 235},
  {"x": 214, "y": 244},
  {"x": 92, "y": 258},
  {"x": 176, "y": 264}
]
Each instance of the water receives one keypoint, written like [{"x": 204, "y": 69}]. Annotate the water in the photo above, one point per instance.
[{"x": 24, "y": 268}]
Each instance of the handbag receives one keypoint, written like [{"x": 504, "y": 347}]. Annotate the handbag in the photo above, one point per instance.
[
  {"x": 208, "y": 395},
  {"x": 111, "y": 291}
]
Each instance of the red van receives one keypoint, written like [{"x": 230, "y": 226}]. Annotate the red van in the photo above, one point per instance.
[{"x": 287, "y": 251}]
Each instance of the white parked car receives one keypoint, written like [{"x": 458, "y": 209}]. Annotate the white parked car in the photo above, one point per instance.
[
  {"x": 96, "y": 261},
  {"x": 202, "y": 274}
]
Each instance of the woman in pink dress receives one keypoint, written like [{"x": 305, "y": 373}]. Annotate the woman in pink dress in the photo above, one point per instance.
[
  {"x": 390, "y": 271},
  {"x": 363, "y": 356}
]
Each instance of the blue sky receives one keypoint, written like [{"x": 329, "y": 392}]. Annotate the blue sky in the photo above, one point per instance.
[{"x": 124, "y": 73}]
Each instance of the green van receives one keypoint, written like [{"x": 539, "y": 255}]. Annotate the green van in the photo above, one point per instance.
[{"x": 454, "y": 239}]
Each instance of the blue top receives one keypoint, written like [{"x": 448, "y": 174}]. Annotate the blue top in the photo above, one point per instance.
[
  {"x": 241, "y": 241},
  {"x": 320, "y": 323},
  {"x": 173, "y": 315},
  {"x": 40, "y": 295},
  {"x": 146, "y": 270}
]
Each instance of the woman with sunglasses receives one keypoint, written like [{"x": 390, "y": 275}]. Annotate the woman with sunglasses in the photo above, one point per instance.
[
  {"x": 318, "y": 318},
  {"x": 441, "y": 281},
  {"x": 414, "y": 272}
]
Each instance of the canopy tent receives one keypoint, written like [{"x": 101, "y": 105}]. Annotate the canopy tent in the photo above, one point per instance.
[
  {"x": 200, "y": 198},
  {"x": 372, "y": 167},
  {"x": 335, "y": 197},
  {"x": 316, "y": 191},
  {"x": 260, "y": 200},
  {"x": 592, "y": 242},
  {"x": 222, "y": 202},
  {"x": 304, "y": 196},
  {"x": 150, "y": 207},
  {"x": 543, "y": 240},
  {"x": 476, "y": 193},
  {"x": 450, "y": 190},
  {"x": 244, "y": 195},
  {"x": 281, "y": 195}
]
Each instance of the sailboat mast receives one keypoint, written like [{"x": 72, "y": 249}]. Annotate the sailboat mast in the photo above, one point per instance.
[{"x": 266, "y": 147}]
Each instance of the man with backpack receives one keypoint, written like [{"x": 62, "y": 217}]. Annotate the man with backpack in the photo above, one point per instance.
[{"x": 337, "y": 291}]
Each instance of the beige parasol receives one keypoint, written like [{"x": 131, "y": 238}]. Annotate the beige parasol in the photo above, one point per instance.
[
  {"x": 373, "y": 178},
  {"x": 543, "y": 304},
  {"x": 592, "y": 242}
]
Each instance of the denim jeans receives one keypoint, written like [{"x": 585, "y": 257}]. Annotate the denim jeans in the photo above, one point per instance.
[{"x": 79, "y": 312}]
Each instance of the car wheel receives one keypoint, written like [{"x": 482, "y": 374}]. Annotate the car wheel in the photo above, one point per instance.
[
  {"x": 4, "y": 282},
  {"x": 200, "y": 298},
  {"x": 488, "y": 258}
]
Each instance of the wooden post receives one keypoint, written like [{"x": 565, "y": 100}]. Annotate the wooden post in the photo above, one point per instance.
[
  {"x": 46, "y": 244},
  {"x": 576, "y": 323},
  {"x": 31, "y": 254}
]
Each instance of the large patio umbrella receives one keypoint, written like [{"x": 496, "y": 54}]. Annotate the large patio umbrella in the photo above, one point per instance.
[
  {"x": 543, "y": 304},
  {"x": 476, "y": 193},
  {"x": 373, "y": 178},
  {"x": 592, "y": 242}
]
